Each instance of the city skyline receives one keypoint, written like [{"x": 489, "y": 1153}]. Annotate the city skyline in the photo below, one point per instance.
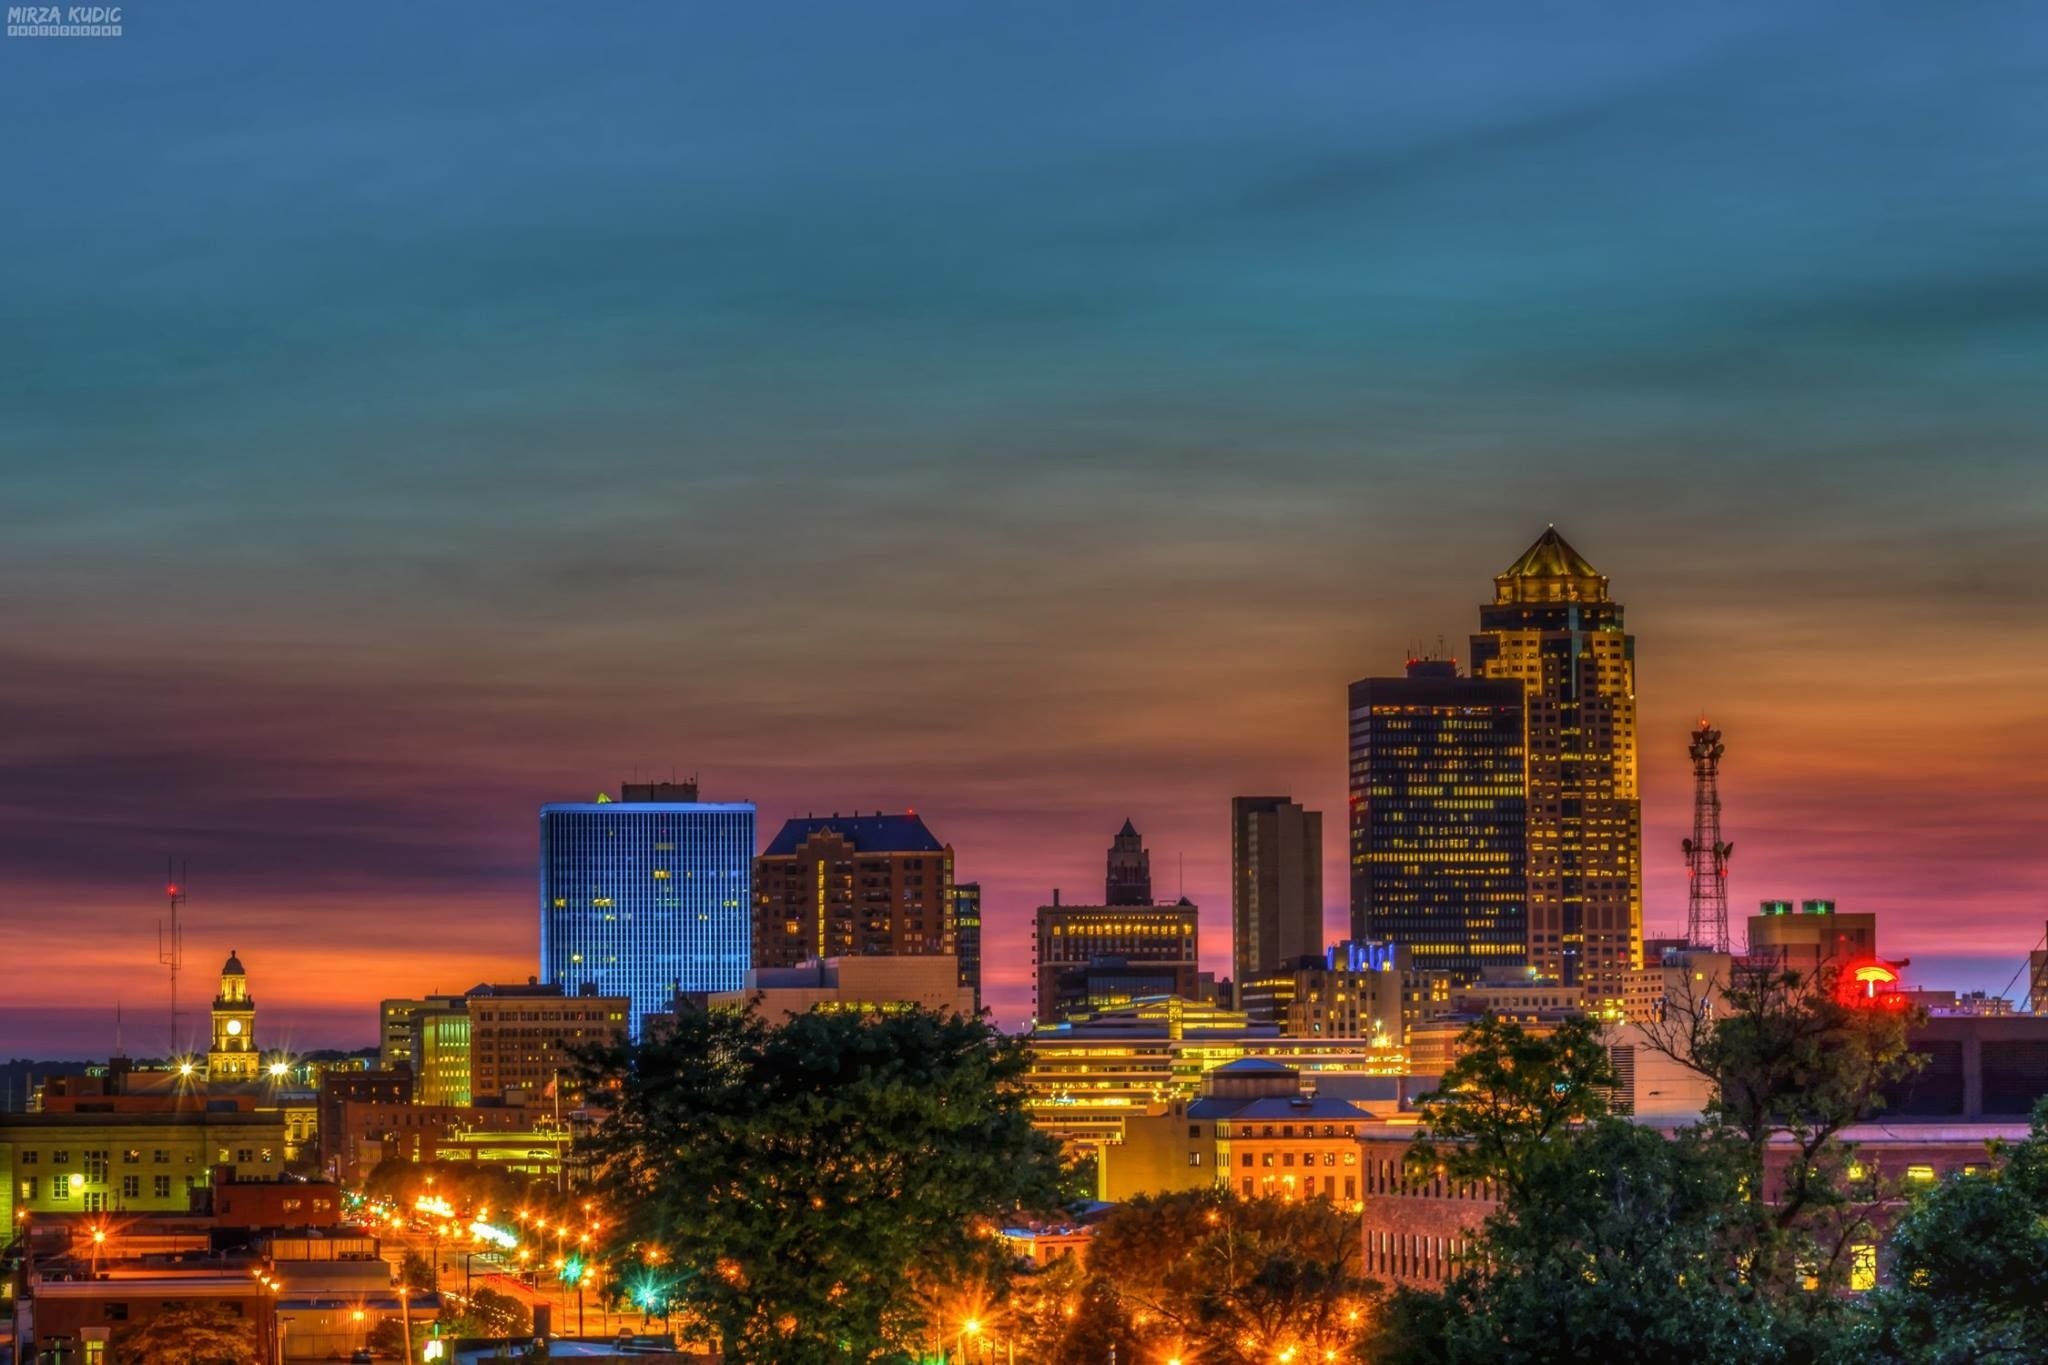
[
  {"x": 516, "y": 404},
  {"x": 321, "y": 1018}
]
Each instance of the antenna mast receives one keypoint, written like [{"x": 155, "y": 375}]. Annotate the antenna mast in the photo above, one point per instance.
[
  {"x": 1706, "y": 855},
  {"x": 170, "y": 940}
]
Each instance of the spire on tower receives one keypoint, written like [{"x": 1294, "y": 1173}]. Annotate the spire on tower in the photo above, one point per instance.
[{"x": 1129, "y": 879}]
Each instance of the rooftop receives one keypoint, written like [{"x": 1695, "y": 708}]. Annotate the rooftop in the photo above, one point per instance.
[
  {"x": 1552, "y": 556},
  {"x": 877, "y": 833},
  {"x": 1550, "y": 571},
  {"x": 1275, "y": 1107}
]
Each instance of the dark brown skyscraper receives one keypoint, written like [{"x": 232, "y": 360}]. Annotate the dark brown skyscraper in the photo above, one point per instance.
[
  {"x": 1130, "y": 870},
  {"x": 844, "y": 886},
  {"x": 1139, "y": 950},
  {"x": 1439, "y": 859},
  {"x": 1553, "y": 628},
  {"x": 1276, "y": 884}
]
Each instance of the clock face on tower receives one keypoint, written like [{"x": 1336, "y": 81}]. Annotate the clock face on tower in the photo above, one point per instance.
[{"x": 234, "y": 1028}]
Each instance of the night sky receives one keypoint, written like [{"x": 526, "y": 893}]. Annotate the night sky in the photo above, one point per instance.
[{"x": 1032, "y": 414}]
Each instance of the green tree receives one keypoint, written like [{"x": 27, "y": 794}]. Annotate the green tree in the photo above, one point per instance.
[
  {"x": 1078, "y": 1179},
  {"x": 487, "y": 1313},
  {"x": 1792, "y": 1065},
  {"x": 199, "y": 1334},
  {"x": 1969, "y": 1267},
  {"x": 416, "y": 1272},
  {"x": 1614, "y": 1244},
  {"x": 1509, "y": 1093},
  {"x": 1230, "y": 1281},
  {"x": 814, "y": 1184},
  {"x": 387, "y": 1338},
  {"x": 1062, "y": 1315}
]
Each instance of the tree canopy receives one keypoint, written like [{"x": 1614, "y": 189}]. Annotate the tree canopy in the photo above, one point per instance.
[
  {"x": 1509, "y": 1092},
  {"x": 1204, "y": 1275},
  {"x": 1726, "y": 1241},
  {"x": 197, "y": 1334},
  {"x": 1969, "y": 1265},
  {"x": 1613, "y": 1244},
  {"x": 813, "y": 1191},
  {"x": 1792, "y": 1065}
]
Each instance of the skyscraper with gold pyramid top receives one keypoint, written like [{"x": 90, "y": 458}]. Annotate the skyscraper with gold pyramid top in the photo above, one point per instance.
[{"x": 1554, "y": 627}]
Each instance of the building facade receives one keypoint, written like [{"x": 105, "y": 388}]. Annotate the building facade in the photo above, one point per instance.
[
  {"x": 859, "y": 985},
  {"x": 523, "y": 1040},
  {"x": 1128, "y": 877},
  {"x": 1439, "y": 846},
  {"x": 849, "y": 886},
  {"x": 1251, "y": 1130},
  {"x": 232, "y": 1055},
  {"x": 1089, "y": 1076},
  {"x": 369, "y": 1132},
  {"x": 1809, "y": 936},
  {"x": 2037, "y": 979},
  {"x": 134, "y": 1162},
  {"x": 395, "y": 1020},
  {"x": 1276, "y": 884},
  {"x": 1554, "y": 628},
  {"x": 1354, "y": 990},
  {"x": 337, "y": 1088},
  {"x": 440, "y": 1052},
  {"x": 640, "y": 899},
  {"x": 967, "y": 936},
  {"x": 1161, "y": 940}
]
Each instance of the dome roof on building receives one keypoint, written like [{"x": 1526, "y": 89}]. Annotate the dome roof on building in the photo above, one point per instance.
[{"x": 234, "y": 965}]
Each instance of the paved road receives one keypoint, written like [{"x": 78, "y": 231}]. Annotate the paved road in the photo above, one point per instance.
[{"x": 487, "y": 1268}]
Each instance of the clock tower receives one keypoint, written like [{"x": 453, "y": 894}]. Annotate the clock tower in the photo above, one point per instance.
[{"x": 233, "y": 1056}]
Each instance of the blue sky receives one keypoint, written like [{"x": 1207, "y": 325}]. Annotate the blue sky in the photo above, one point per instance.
[{"x": 1033, "y": 414}]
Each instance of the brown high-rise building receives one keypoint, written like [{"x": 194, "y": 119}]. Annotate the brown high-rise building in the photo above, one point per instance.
[
  {"x": 1276, "y": 884},
  {"x": 1553, "y": 627},
  {"x": 851, "y": 886},
  {"x": 1129, "y": 881},
  {"x": 523, "y": 1039},
  {"x": 1135, "y": 951}
]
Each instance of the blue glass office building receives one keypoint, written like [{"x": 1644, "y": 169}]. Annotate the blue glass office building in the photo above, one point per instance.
[{"x": 642, "y": 898}]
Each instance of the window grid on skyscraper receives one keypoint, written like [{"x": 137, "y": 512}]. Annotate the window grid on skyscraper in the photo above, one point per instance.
[{"x": 641, "y": 899}]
